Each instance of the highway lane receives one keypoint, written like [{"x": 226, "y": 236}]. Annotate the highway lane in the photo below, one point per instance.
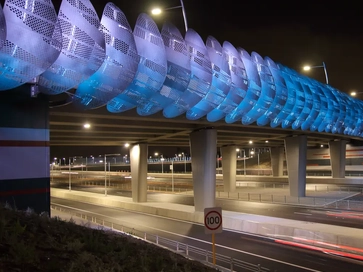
[
  {"x": 233, "y": 244},
  {"x": 316, "y": 215}
]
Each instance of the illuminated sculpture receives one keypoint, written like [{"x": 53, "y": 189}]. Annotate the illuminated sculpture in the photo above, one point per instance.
[
  {"x": 23, "y": 58},
  {"x": 109, "y": 64},
  {"x": 83, "y": 48},
  {"x": 120, "y": 64}
]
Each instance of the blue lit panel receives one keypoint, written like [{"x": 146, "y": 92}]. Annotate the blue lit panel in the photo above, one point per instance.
[
  {"x": 220, "y": 86},
  {"x": 280, "y": 96},
  {"x": 291, "y": 98},
  {"x": 238, "y": 86},
  {"x": 333, "y": 111},
  {"x": 151, "y": 71},
  {"x": 299, "y": 99},
  {"x": 33, "y": 41},
  {"x": 322, "y": 109},
  {"x": 338, "y": 127},
  {"x": 356, "y": 127},
  {"x": 308, "y": 105},
  {"x": 2, "y": 27},
  {"x": 178, "y": 73},
  {"x": 254, "y": 87},
  {"x": 315, "y": 104},
  {"x": 268, "y": 91},
  {"x": 350, "y": 115},
  {"x": 200, "y": 80},
  {"x": 83, "y": 50},
  {"x": 279, "y": 92},
  {"x": 120, "y": 64}
]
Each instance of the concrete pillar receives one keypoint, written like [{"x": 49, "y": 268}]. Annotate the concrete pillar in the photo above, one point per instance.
[
  {"x": 229, "y": 167},
  {"x": 337, "y": 151},
  {"x": 24, "y": 150},
  {"x": 277, "y": 161},
  {"x": 295, "y": 148},
  {"x": 138, "y": 165},
  {"x": 203, "y": 144}
]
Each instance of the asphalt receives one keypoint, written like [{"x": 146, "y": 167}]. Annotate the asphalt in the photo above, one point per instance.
[{"x": 256, "y": 224}]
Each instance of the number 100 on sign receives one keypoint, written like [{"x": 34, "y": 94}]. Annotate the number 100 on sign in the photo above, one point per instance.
[{"x": 213, "y": 220}]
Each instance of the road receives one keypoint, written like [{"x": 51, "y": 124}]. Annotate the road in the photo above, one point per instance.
[
  {"x": 316, "y": 215},
  {"x": 236, "y": 245}
]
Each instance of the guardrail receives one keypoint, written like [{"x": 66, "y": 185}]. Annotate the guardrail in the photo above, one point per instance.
[{"x": 223, "y": 262}]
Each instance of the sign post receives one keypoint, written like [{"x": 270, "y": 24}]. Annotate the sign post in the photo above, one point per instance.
[{"x": 212, "y": 225}]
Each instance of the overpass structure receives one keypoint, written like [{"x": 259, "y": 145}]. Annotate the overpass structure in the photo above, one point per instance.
[{"x": 151, "y": 87}]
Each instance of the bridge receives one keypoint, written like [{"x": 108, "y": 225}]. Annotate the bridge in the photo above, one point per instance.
[{"x": 149, "y": 87}]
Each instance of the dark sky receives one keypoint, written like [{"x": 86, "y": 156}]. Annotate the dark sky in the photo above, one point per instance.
[{"x": 293, "y": 33}]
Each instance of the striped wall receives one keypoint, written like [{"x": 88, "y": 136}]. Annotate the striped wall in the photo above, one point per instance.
[{"x": 24, "y": 150}]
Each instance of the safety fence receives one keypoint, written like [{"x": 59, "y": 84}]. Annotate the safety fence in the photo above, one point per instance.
[{"x": 223, "y": 263}]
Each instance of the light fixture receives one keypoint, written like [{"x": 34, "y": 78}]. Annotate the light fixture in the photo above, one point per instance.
[
  {"x": 87, "y": 125},
  {"x": 308, "y": 67},
  {"x": 156, "y": 11},
  {"x": 250, "y": 142},
  {"x": 127, "y": 145},
  {"x": 266, "y": 141}
]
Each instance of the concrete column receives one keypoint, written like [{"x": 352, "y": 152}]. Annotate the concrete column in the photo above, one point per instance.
[
  {"x": 296, "y": 164},
  {"x": 277, "y": 161},
  {"x": 203, "y": 144},
  {"x": 229, "y": 167},
  {"x": 24, "y": 150},
  {"x": 337, "y": 151},
  {"x": 138, "y": 165}
]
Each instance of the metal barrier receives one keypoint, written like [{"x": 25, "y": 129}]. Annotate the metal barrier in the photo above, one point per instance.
[{"x": 224, "y": 263}]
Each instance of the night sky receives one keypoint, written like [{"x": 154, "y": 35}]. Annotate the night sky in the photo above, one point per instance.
[{"x": 294, "y": 33}]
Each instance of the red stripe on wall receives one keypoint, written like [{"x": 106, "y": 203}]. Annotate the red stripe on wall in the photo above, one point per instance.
[
  {"x": 23, "y": 143},
  {"x": 25, "y": 192}
]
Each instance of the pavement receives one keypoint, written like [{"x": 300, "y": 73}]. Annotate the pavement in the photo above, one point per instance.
[{"x": 329, "y": 235}]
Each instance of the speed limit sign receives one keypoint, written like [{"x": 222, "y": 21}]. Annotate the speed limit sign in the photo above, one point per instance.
[{"x": 213, "y": 220}]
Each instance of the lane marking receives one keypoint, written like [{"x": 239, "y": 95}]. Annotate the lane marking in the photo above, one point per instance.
[{"x": 302, "y": 213}]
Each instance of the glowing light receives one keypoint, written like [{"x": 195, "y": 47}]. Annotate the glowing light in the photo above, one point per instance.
[
  {"x": 307, "y": 68},
  {"x": 87, "y": 125},
  {"x": 127, "y": 145},
  {"x": 156, "y": 11}
]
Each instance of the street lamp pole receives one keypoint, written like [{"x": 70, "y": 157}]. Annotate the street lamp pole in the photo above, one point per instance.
[
  {"x": 244, "y": 162},
  {"x": 105, "y": 162},
  {"x": 307, "y": 68},
  {"x": 158, "y": 11}
]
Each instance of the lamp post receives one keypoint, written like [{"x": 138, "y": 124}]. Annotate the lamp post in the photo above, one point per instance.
[
  {"x": 157, "y": 11},
  {"x": 307, "y": 68},
  {"x": 105, "y": 162},
  {"x": 162, "y": 164},
  {"x": 69, "y": 172}
]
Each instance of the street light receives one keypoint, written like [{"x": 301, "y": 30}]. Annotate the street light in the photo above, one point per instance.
[
  {"x": 105, "y": 156},
  {"x": 157, "y": 11},
  {"x": 307, "y": 68}
]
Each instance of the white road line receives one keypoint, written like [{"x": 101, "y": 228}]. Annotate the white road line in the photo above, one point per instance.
[{"x": 302, "y": 213}]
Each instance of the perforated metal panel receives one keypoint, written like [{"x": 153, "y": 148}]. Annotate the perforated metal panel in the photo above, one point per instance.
[
  {"x": 83, "y": 50},
  {"x": 2, "y": 27},
  {"x": 120, "y": 64},
  {"x": 32, "y": 43},
  {"x": 220, "y": 85},
  {"x": 201, "y": 76},
  {"x": 267, "y": 96},
  {"x": 238, "y": 86},
  {"x": 178, "y": 75},
  {"x": 151, "y": 72}
]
